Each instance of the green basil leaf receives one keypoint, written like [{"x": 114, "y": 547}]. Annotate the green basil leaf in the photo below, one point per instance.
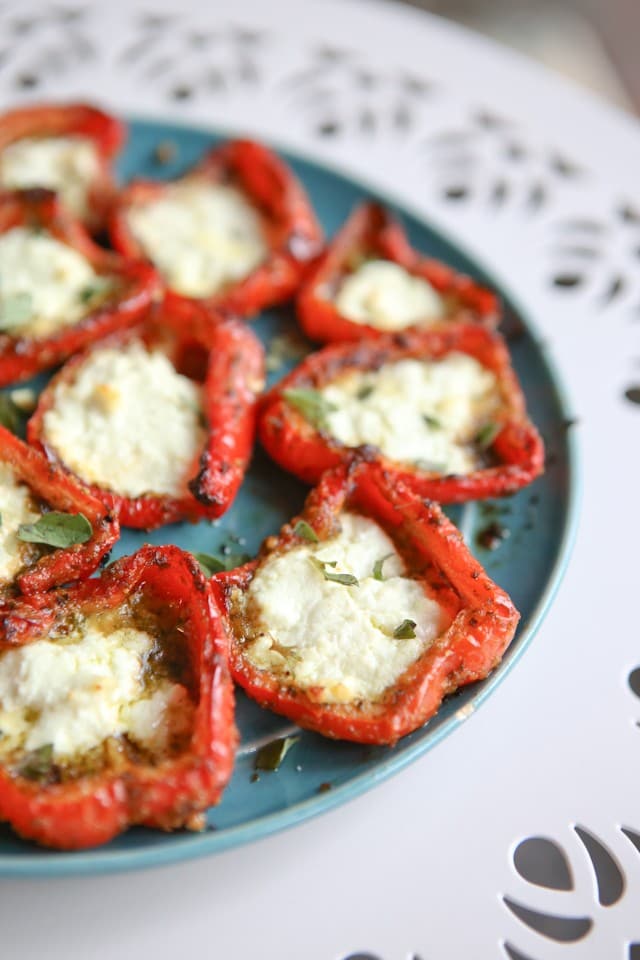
[
  {"x": 432, "y": 422},
  {"x": 487, "y": 434},
  {"x": 57, "y": 529},
  {"x": 302, "y": 529},
  {"x": 208, "y": 564},
  {"x": 15, "y": 310},
  {"x": 365, "y": 391},
  {"x": 346, "y": 579},
  {"x": 377, "y": 567},
  {"x": 406, "y": 630},
  {"x": 272, "y": 754},
  {"x": 311, "y": 404},
  {"x": 9, "y": 413},
  {"x": 37, "y": 764}
]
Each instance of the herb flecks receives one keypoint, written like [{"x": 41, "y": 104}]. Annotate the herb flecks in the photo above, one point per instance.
[
  {"x": 406, "y": 630},
  {"x": 346, "y": 579},
  {"x": 272, "y": 754},
  {"x": 487, "y": 434},
  {"x": 432, "y": 422},
  {"x": 304, "y": 530},
  {"x": 210, "y": 564},
  {"x": 37, "y": 765},
  {"x": 365, "y": 391},
  {"x": 15, "y": 310},
  {"x": 311, "y": 404},
  {"x": 57, "y": 530},
  {"x": 377, "y": 567}
]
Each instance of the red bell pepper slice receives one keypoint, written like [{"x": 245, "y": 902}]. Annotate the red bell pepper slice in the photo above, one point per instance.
[
  {"x": 482, "y": 618},
  {"x": 135, "y": 285},
  {"x": 306, "y": 451},
  {"x": 55, "y": 490},
  {"x": 371, "y": 232},
  {"x": 228, "y": 360},
  {"x": 69, "y": 809},
  {"x": 291, "y": 230},
  {"x": 73, "y": 120}
]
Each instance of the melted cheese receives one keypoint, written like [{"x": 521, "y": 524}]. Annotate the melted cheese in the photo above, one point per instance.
[
  {"x": 200, "y": 236},
  {"x": 416, "y": 411},
  {"x": 384, "y": 295},
  {"x": 67, "y": 165},
  {"x": 17, "y": 506},
  {"x": 53, "y": 278},
  {"x": 334, "y": 638},
  {"x": 128, "y": 422}
]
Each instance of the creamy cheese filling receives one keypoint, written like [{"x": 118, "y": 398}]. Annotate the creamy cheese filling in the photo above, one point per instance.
[
  {"x": 71, "y": 694},
  {"x": 45, "y": 285},
  {"x": 416, "y": 411},
  {"x": 384, "y": 295},
  {"x": 17, "y": 506},
  {"x": 67, "y": 165},
  {"x": 128, "y": 422},
  {"x": 334, "y": 640},
  {"x": 200, "y": 236}
]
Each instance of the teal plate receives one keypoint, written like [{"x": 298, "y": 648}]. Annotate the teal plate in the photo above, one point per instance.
[{"x": 318, "y": 774}]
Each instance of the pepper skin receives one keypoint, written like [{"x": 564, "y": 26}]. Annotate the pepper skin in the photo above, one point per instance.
[
  {"x": 483, "y": 618},
  {"x": 58, "y": 491},
  {"x": 85, "y": 810},
  {"x": 136, "y": 285},
  {"x": 372, "y": 232},
  {"x": 230, "y": 365},
  {"x": 306, "y": 451},
  {"x": 73, "y": 120},
  {"x": 293, "y": 234}
]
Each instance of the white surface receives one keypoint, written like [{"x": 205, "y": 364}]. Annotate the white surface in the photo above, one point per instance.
[{"x": 419, "y": 865}]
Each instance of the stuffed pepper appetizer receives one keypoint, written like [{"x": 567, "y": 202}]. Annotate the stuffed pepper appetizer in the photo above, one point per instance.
[
  {"x": 237, "y": 231},
  {"x": 66, "y": 148},
  {"x": 51, "y": 530},
  {"x": 116, "y": 703},
  {"x": 364, "y": 613},
  {"x": 159, "y": 428},
  {"x": 440, "y": 409},
  {"x": 370, "y": 281},
  {"x": 59, "y": 291}
]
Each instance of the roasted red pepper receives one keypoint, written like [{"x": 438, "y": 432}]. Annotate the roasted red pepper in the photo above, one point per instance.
[
  {"x": 481, "y": 618},
  {"x": 512, "y": 451},
  {"x": 371, "y": 232},
  {"x": 81, "y": 802},
  {"x": 290, "y": 228},
  {"x": 52, "y": 489},
  {"x": 132, "y": 288},
  {"x": 75, "y": 120},
  {"x": 227, "y": 360}
]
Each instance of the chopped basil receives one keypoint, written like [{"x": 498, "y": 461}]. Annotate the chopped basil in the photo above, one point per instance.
[
  {"x": 347, "y": 579},
  {"x": 15, "y": 310},
  {"x": 272, "y": 754},
  {"x": 9, "y": 413},
  {"x": 94, "y": 290},
  {"x": 57, "y": 529},
  {"x": 365, "y": 392},
  {"x": 208, "y": 564},
  {"x": 311, "y": 404},
  {"x": 377, "y": 567},
  {"x": 406, "y": 630},
  {"x": 432, "y": 422},
  {"x": 487, "y": 434},
  {"x": 302, "y": 529},
  {"x": 37, "y": 765}
]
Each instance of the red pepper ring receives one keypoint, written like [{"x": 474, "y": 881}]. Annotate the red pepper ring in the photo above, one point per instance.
[
  {"x": 293, "y": 234},
  {"x": 170, "y": 793},
  {"x": 372, "y": 232},
  {"x": 136, "y": 285},
  {"x": 307, "y": 452},
  {"x": 230, "y": 362},
  {"x": 483, "y": 618},
  {"x": 60, "y": 492},
  {"x": 72, "y": 120}
]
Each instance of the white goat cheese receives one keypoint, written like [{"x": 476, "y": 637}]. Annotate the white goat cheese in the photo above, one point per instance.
[
  {"x": 67, "y": 165},
  {"x": 384, "y": 295}
]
